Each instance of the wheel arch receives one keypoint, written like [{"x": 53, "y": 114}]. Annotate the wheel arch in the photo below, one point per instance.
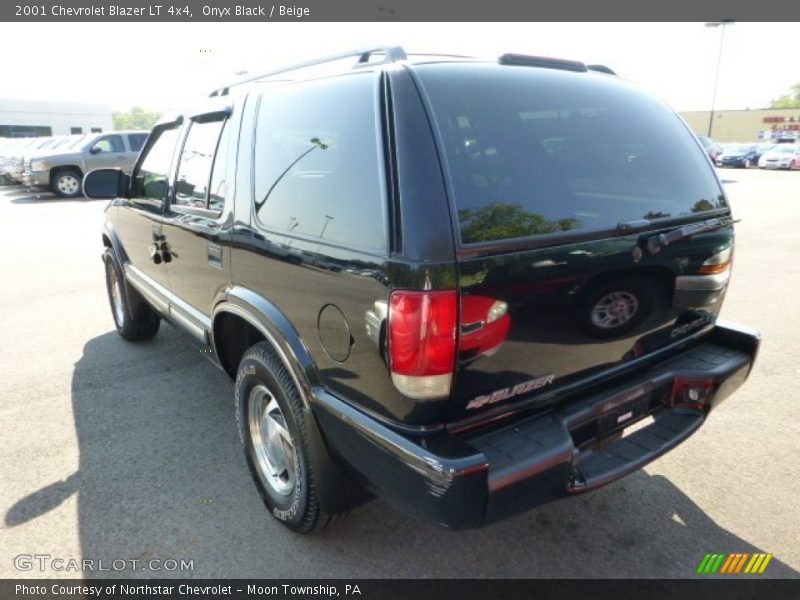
[
  {"x": 68, "y": 167},
  {"x": 242, "y": 318},
  {"x": 239, "y": 310},
  {"x": 111, "y": 240}
]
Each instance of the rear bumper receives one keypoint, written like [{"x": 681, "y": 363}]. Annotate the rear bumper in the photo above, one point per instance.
[{"x": 463, "y": 481}]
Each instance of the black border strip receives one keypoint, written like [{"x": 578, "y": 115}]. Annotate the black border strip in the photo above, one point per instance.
[
  {"x": 730, "y": 588},
  {"x": 395, "y": 10}
]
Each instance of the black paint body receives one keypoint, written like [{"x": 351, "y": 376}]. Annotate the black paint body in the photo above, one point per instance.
[{"x": 309, "y": 296}]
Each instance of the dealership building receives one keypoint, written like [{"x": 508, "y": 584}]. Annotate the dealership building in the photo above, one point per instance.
[
  {"x": 25, "y": 118},
  {"x": 760, "y": 125}
]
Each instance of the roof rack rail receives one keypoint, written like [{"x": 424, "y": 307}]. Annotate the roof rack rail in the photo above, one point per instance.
[
  {"x": 523, "y": 60},
  {"x": 601, "y": 69},
  {"x": 440, "y": 55},
  {"x": 392, "y": 54}
]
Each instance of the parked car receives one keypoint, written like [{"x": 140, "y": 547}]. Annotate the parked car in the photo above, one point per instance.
[
  {"x": 62, "y": 172},
  {"x": 439, "y": 365},
  {"x": 739, "y": 155},
  {"x": 12, "y": 164},
  {"x": 712, "y": 148},
  {"x": 782, "y": 156}
]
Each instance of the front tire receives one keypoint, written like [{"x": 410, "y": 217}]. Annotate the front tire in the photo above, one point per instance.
[
  {"x": 66, "y": 183},
  {"x": 134, "y": 319},
  {"x": 275, "y": 437}
]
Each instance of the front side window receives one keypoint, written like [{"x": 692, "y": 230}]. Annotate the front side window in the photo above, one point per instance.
[
  {"x": 317, "y": 162},
  {"x": 109, "y": 143},
  {"x": 150, "y": 181},
  {"x": 218, "y": 190},
  {"x": 194, "y": 167}
]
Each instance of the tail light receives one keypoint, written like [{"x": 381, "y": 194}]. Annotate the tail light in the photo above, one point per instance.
[
  {"x": 422, "y": 341},
  {"x": 693, "y": 393},
  {"x": 718, "y": 263}
]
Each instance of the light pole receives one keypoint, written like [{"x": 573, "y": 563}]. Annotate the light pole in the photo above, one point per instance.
[
  {"x": 721, "y": 24},
  {"x": 328, "y": 219}
]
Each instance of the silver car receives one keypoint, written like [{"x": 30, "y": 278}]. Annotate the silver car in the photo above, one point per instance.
[
  {"x": 62, "y": 170},
  {"x": 782, "y": 156}
]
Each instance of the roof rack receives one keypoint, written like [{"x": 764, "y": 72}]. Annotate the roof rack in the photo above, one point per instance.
[
  {"x": 391, "y": 54},
  {"x": 601, "y": 69},
  {"x": 439, "y": 55},
  {"x": 523, "y": 60}
]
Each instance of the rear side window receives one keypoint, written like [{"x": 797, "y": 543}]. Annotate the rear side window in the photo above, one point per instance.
[
  {"x": 194, "y": 167},
  {"x": 317, "y": 166},
  {"x": 536, "y": 151},
  {"x": 136, "y": 141},
  {"x": 150, "y": 181}
]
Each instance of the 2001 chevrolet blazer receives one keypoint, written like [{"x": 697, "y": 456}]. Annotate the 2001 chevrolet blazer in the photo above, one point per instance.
[{"x": 452, "y": 283}]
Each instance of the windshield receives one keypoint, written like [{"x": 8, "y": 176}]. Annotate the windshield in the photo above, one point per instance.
[
  {"x": 784, "y": 150},
  {"x": 533, "y": 151},
  {"x": 61, "y": 143},
  {"x": 79, "y": 140}
]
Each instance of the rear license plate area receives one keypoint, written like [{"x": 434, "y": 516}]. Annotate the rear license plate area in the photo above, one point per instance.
[{"x": 618, "y": 418}]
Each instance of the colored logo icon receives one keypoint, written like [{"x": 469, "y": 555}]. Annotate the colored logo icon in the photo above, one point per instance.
[{"x": 734, "y": 564}]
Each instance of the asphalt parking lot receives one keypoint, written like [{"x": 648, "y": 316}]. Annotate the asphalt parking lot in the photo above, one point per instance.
[{"x": 128, "y": 451}]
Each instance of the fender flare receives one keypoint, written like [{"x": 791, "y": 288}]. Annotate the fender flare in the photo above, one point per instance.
[
  {"x": 276, "y": 328},
  {"x": 110, "y": 232}
]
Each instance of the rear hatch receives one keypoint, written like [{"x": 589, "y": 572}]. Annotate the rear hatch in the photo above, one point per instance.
[{"x": 580, "y": 201}]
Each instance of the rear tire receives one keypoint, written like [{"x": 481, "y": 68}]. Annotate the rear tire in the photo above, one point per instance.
[
  {"x": 66, "y": 183},
  {"x": 274, "y": 433},
  {"x": 134, "y": 319}
]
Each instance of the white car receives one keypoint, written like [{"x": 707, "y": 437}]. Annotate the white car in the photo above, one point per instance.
[{"x": 782, "y": 156}]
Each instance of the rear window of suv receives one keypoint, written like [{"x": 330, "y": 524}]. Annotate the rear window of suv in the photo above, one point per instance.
[{"x": 535, "y": 151}]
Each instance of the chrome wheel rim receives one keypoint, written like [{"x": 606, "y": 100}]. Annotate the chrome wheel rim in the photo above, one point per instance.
[
  {"x": 272, "y": 443},
  {"x": 67, "y": 184},
  {"x": 116, "y": 298},
  {"x": 614, "y": 310}
]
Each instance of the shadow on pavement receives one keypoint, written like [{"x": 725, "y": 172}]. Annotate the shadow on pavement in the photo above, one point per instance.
[
  {"x": 49, "y": 198},
  {"x": 161, "y": 475}
]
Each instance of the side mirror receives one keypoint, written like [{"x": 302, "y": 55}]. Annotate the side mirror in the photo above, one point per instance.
[{"x": 105, "y": 183}]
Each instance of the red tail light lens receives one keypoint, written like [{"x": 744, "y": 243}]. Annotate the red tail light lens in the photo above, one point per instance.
[{"x": 422, "y": 341}]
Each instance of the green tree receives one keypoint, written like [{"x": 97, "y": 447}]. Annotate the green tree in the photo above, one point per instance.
[
  {"x": 790, "y": 100},
  {"x": 137, "y": 118},
  {"x": 498, "y": 221}
]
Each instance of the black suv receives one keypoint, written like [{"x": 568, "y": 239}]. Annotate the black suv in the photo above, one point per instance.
[{"x": 452, "y": 283}]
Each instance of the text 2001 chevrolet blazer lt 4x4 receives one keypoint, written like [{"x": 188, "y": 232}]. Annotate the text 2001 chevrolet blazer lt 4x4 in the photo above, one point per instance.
[{"x": 454, "y": 284}]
